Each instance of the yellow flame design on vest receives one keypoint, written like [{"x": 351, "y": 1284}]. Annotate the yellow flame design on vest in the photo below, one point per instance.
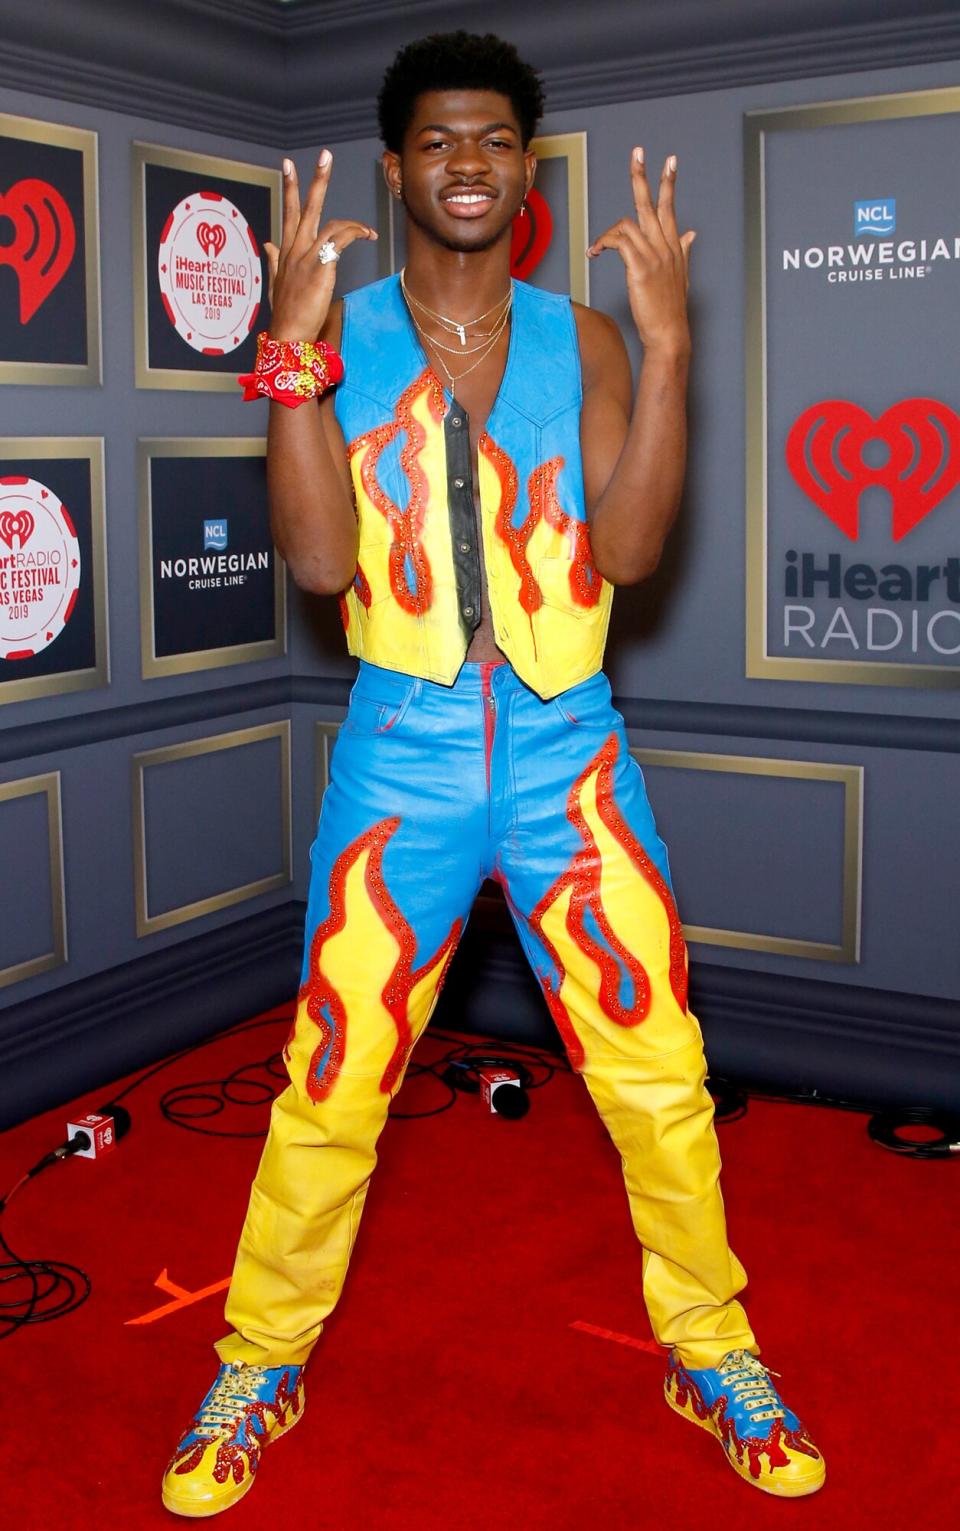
[{"x": 550, "y": 607}]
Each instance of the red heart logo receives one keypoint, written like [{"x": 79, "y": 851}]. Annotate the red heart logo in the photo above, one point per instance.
[
  {"x": 825, "y": 455},
  {"x": 211, "y": 238},
  {"x": 16, "y": 527},
  {"x": 531, "y": 236},
  {"x": 44, "y": 241}
]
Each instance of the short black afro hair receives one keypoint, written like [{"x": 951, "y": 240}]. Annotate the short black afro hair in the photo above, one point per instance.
[{"x": 457, "y": 61}]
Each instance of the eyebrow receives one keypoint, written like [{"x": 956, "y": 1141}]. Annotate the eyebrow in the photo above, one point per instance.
[{"x": 491, "y": 127}]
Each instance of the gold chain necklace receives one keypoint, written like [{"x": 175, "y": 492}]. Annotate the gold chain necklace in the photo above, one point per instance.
[
  {"x": 451, "y": 325},
  {"x": 486, "y": 348},
  {"x": 456, "y": 350}
]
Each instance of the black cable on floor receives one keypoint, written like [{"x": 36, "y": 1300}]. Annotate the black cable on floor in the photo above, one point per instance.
[
  {"x": 197, "y": 1104},
  {"x": 889, "y": 1126},
  {"x": 54, "y": 1289},
  {"x": 218, "y": 1036},
  {"x": 38, "y": 1291},
  {"x": 193, "y": 1104}
]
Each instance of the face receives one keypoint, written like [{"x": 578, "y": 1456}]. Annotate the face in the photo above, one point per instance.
[{"x": 463, "y": 173}]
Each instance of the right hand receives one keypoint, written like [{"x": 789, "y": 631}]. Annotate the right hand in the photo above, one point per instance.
[
  {"x": 656, "y": 257},
  {"x": 301, "y": 288}
]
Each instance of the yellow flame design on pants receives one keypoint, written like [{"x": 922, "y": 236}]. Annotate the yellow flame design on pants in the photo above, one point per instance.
[{"x": 363, "y": 1006}]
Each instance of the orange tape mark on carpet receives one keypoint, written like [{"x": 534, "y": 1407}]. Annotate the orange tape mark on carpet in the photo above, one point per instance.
[
  {"x": 650, "y": 1346},
  {"x": 181, "y": 1298}
]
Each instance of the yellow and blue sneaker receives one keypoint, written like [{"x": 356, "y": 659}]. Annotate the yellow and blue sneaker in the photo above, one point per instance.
[
  {"x": 763, "y": 1440},
  {"x": 216, "y": 1460}
]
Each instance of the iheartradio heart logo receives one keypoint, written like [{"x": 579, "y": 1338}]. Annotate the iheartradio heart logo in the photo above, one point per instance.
[
  {"x": 826, "y": 449},
  {"x": 531, "y": 236},
  {"x": 44, "y": 241},
  {"x": 211, "y": 238},
  {"x": 16, "y": 527}
]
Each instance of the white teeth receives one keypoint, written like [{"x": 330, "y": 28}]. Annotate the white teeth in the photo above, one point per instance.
[{"x": 468, "y": 198}]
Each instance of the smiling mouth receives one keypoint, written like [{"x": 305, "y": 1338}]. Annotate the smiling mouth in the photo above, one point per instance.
[{"x": 468, "y": 203}]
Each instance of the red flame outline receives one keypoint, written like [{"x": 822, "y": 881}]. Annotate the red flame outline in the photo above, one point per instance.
[
  {"x": 583, "y": 879},
  {"x": 395, "y": 995},
  {"x": 406, "y": 525},
  {"x": 515, "y": 537},
  {"x": 585, "y": 582}
]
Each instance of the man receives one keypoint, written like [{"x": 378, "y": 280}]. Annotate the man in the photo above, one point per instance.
[{"x": 476, "y": 484}]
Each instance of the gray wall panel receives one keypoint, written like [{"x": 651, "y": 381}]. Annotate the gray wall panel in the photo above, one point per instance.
[
  {"x": 99, "y": 858},
  {"x": 212, "y": 822},
  {"x": 27, "y": 925},
  {"x": 785, "y": 878},
  {"x": 225, "y": 62},
  {"x": 911, "y": 842}
]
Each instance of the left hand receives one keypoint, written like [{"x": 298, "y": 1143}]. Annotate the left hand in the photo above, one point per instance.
[{"x": 656, "y": 258}]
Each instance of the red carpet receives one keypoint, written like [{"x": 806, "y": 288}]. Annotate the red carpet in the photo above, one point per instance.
[{"x": 462, "y": 1383}]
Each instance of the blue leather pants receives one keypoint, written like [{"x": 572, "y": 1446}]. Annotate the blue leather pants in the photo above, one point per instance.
[{"x": 432, "y": 790}]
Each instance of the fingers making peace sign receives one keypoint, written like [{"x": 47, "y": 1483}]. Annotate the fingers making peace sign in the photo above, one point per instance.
[
  {"x": 303, "y": 271},
  {"x": 655, "y": 255}
]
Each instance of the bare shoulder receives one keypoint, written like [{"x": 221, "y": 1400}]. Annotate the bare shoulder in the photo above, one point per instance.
[
  {"x": 594, "y": 327},
  {"x": 603, "y": 355}
]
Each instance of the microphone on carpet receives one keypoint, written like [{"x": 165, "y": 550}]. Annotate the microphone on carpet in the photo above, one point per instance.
[
  {"x": 502, "y": 1091},
  {"x": 54, "y": 1288},
  {"x": 89, "y": 1137}
]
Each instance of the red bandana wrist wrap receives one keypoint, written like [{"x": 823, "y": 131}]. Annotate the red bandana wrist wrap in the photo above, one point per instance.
[{"x": 291, "y": 371}]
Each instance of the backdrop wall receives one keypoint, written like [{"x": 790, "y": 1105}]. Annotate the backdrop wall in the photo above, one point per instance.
[{"x": 848, "y": 822}]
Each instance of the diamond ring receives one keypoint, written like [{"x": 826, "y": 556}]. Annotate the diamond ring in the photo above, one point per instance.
[{"x": 328, "y": 253}]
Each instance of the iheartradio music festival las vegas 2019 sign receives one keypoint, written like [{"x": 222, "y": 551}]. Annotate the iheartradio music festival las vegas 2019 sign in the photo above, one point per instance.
[
  {"x": 200, "y": 276},
  {"x": 853, "y": 391},
  {"x": 49, "y": 261},
  {"x": 53, "y": 607}
]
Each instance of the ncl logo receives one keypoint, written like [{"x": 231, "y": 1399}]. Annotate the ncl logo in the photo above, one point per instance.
[
  {"x": 215, "y": 535},
  {"x": 876, "y": 217}
]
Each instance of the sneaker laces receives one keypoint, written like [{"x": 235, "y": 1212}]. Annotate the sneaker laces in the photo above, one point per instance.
[
  {"x": 749, "y": 1382},
  {"x": 233, "y": 1391}
]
